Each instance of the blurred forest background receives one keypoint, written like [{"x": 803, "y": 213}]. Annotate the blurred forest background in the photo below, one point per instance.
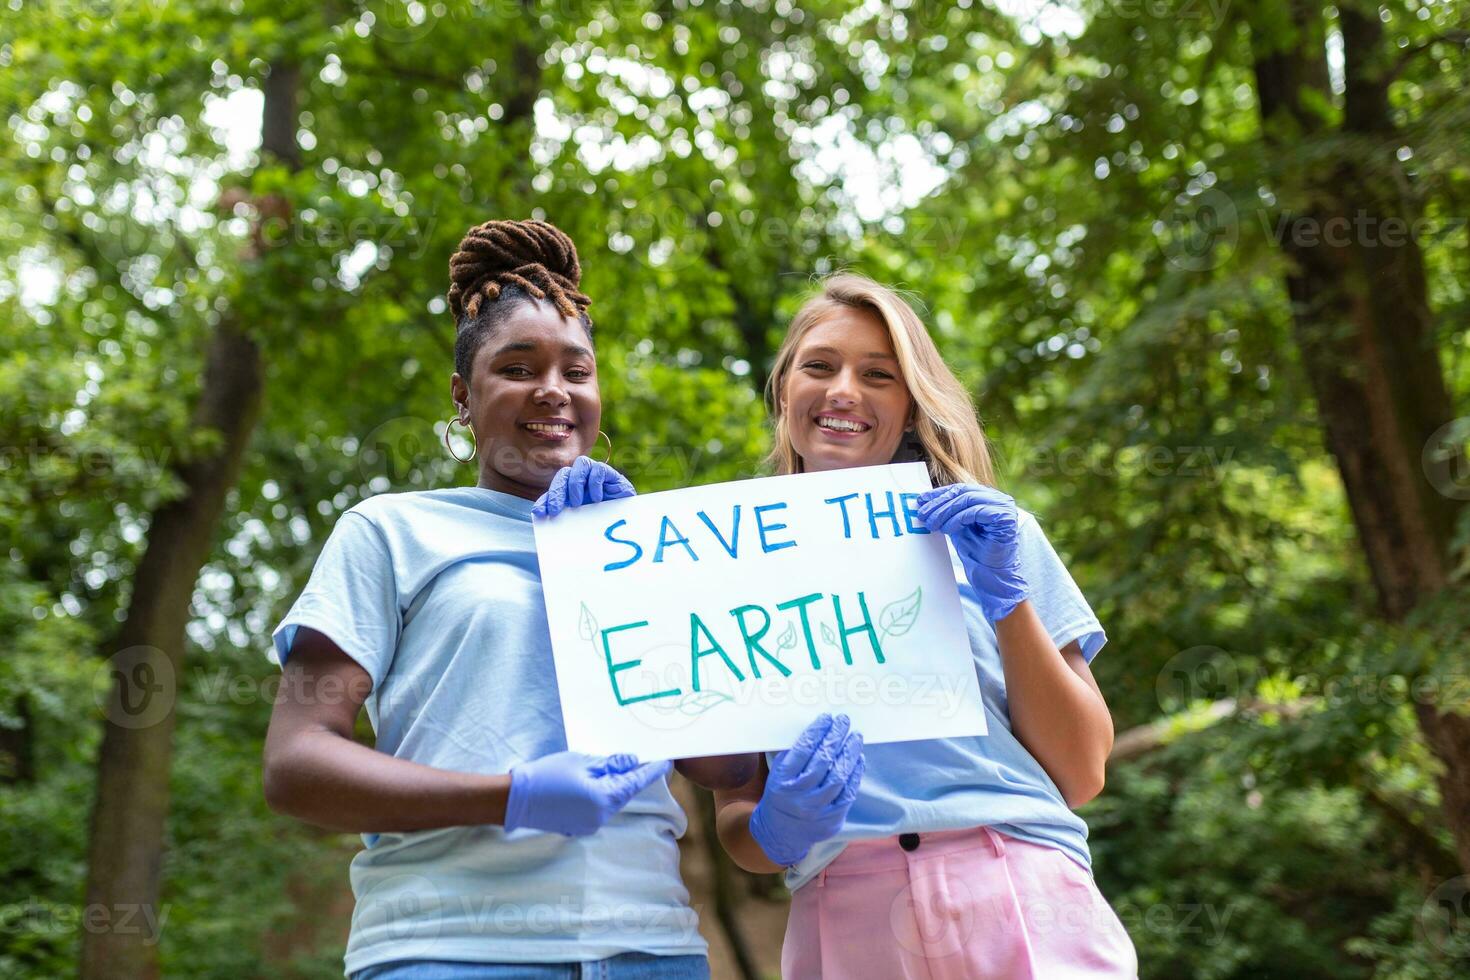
[{"x": 1203, "y": 264}]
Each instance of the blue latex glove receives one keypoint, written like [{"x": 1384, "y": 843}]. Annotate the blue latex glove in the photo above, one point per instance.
[
  {"x": 575, "y": 794},
  {"x": 586, "y": 481},
  {"x": 982, "y": 522},
  {"x": 810, "y": 788}
]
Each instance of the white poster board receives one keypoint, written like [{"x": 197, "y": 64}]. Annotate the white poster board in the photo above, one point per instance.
[{"x": 724, "y": 618}]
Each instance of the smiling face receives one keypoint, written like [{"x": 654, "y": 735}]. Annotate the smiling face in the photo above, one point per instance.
[
  {"x": 844, "y": 398},
  {"x": 532, "y": 398}
]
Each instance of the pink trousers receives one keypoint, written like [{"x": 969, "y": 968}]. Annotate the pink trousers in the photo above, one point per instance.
[{"x": 962, "y": 904}]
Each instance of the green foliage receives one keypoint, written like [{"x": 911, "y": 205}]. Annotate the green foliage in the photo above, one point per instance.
[{"x": 1134, "y": 365}]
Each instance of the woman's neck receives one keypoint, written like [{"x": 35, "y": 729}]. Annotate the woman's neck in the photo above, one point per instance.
[{"x": 493, "y": 480}]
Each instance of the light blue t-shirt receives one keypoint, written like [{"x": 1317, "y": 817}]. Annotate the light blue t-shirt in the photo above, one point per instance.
[
  {"x": 989, "y": 780},
  {"x": 437, "y": 594}
]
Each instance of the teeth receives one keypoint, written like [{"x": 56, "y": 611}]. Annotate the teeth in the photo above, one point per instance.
[
  {"x": 841, "y": 425},
  {"x": 548, "y": 427}
]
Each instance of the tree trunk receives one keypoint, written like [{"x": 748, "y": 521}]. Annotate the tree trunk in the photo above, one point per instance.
[
  {"x": 125, "y": 853},
  {"x": 723, "y": 875},
  {"x": 18, "y": 747},
  {"x": 1361, "y": 317}
]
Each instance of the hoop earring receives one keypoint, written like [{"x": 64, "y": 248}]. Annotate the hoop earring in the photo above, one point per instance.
[
  {"x": 604, "y": 435},
  {"x": 474, "y": 448}
]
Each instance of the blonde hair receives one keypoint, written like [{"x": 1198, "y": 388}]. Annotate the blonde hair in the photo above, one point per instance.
[{"x": 944, "y": 416}]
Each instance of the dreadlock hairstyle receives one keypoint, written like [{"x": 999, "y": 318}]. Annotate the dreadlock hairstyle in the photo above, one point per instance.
[{"x": 502, "y": 264}]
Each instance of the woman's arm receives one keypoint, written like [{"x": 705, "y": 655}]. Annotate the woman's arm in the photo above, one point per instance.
[
  {"x": 775, "y": 819},
  {"x": 1057, "y": 710},
  {"x": 733, "y": 808},
  {"x": 316, "y": 772}
]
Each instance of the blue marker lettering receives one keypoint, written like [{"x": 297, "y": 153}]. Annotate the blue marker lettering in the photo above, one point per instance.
[
  {"x": 763, "y": 528},
  {"x": 891, "y": 513},
  {"x": 696, "y": 627},
  {"x": 637, "y": 548},
  {"x": 664, "y": 541},
  {"x": 910, "y": 502},
  {"x": 733, "y": 545},
  {"x": 614, "y": 668},
  {"x": 842, "y": 502}
]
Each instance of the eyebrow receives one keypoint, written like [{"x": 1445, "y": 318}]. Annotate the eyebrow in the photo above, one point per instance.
[
  {"x": 833, "y": 350},
  {"x": 525, "y": 346}
]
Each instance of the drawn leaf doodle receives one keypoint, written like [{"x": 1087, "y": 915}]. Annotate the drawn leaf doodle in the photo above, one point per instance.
[
  {"x": 586, "y": 623},
  {"x": 697, "y": 703},
  {"x": 787, "y": 639},
  {"x": 899, "y": 616},
  {"x": 828, "y": 636}
]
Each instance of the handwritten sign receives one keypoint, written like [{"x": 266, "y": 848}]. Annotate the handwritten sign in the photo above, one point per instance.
[{"x": 724, "y": 618}]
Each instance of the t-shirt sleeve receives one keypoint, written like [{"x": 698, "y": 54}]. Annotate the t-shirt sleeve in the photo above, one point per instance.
[
  {"x": 1059, "y": 603},
  {"x": 351, "y": 597}
]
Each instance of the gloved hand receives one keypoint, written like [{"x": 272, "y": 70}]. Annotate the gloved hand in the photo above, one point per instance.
[
  {"x": 983, "y": 524},
  {"x": 575, "y": 794},
  {"x": 810, "y": 788},
  {"x": 586, "y": 481}
]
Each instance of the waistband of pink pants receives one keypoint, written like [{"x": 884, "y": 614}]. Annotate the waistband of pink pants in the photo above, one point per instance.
[{"x": 891, "y": 854}]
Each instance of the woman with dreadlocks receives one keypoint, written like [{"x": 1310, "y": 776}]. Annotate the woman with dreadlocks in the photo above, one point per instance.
[{"x": 491, "y": 851}]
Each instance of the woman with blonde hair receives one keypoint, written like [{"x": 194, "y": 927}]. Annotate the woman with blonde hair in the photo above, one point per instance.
[{"x": 959, "y": 857}]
